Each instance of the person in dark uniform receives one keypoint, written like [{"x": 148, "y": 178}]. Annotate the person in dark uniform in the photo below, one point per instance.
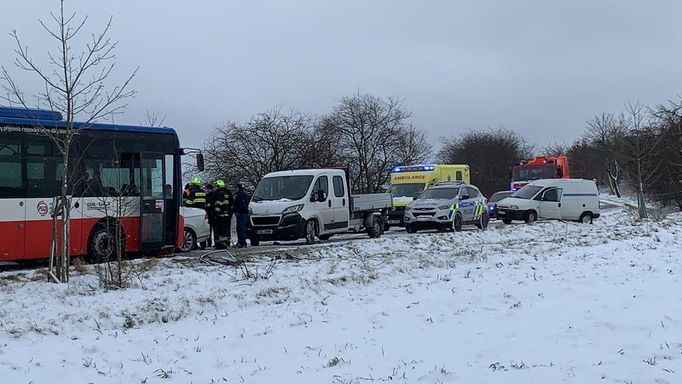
[
  {"x": 241, "y": 209},
  {"x": 223, "y": 202},
  {"x": 210, "y": 212}
]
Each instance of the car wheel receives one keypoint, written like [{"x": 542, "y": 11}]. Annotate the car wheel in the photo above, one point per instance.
[
  {"x": 255, "y": 241},
  {"x": 586, "y": 218},
  {"x": 531, "y": 216},
  {"x": 189, "y": 240},
  {"x": 506, "y": 221},
  {"x": 310, "y": 231},
  {"x": 457, "y": 222},
  {"x": 386, "y": 227},
  {"x": 324, "y": 237}
]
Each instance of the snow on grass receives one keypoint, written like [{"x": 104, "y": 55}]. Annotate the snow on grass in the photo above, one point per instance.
[{"x": 548, "y": 302}]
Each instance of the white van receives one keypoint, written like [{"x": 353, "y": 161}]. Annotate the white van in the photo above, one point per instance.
[{"x": 561, "y": 199}]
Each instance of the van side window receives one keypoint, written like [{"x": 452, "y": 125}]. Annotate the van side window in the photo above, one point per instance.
[
  {"x": 321, "y": 184},
  {"x": 552, "y": 194},
  {"x": 458, "y": 175},
  {"x": 338, "y": 186}
]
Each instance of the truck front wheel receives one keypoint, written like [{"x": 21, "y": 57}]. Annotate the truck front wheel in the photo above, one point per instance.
[
  {"x": 255, "y": 241},
  {"x": 310, "y": 231}
]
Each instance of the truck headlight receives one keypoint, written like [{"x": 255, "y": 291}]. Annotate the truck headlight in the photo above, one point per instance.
[{"x": 292, "y": 209}]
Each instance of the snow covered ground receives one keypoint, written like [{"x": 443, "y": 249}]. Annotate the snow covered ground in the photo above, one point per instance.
[{"x": 549, "y": 302}]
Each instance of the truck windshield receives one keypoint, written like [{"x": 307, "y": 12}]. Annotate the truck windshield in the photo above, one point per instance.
[
  {"x": 282, "y": 187},
  {"x": 534, "y": 172},
  {"x": 439, "y": 194},
  {"x": 527, "y": 192},
  {"x": 407, "y": 190}
]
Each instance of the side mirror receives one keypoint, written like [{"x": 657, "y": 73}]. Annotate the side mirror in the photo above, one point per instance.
[
  {"x": 464, "y": 197},
  {"x": 200, "y": 162}
]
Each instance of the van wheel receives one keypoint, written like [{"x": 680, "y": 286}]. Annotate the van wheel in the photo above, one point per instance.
[
  {"x": 410, "y": 228},
  {"x": 483, "y": 222},
  {"x": 586, "y": 218},
  {"x": 376, "y": 229},
  {"x": 255, "y": 241},
  {"x": 386, "y": 227},
  {"x": 103, "y": 246},
  {"x": 506, "y": 221},
  {"x": 324, "y": 237},
  {"x": 189, "y": 240},
  {"x": 310, "y": 231},
  {"x": 531, "y": 216},
  {"x": 457, "y": 223}
]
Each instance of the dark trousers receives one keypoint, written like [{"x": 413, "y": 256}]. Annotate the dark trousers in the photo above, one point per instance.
[
  {"x": 221, "y": 228},
  {"x": 242, "y": 222}
]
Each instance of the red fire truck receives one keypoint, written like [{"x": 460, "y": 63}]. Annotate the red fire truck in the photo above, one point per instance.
[{"x": 541, "y": 167}]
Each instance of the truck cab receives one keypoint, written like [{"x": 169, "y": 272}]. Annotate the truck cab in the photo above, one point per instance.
[{"x": 309, "y": 203}]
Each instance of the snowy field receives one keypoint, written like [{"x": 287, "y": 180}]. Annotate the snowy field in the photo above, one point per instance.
[{"x": 544, "y": 303}]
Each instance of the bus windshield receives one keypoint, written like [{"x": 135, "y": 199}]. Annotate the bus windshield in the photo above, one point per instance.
[
  {"x": 527, "y": 192},
  {"x": 439, "y": 194},
  {"x": 283, "y": 187},
  {"x": 407, "y": 190},
  {"x": 534, "y": 172}
]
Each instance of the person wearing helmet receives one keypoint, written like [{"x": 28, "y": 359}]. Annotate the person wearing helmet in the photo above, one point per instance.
[
  {"x": 222, "y": 213},
  {"x": 197, "y": 196}
]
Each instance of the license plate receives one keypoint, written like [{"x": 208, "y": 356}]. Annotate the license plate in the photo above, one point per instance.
[
  {"x": 424, "y": 218},
  {"x": 264, "y": 231},
  {"x": 394, "y": 221}
]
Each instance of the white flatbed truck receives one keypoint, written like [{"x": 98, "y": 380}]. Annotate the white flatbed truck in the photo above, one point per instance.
[{"x": 309, "y": 203}]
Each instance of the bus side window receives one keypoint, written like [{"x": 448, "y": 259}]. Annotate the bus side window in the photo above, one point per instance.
[
  {"x": 458, "y": 175},
  {"x": 11, "y": 183}
]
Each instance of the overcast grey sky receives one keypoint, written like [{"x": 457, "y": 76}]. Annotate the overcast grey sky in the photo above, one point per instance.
[{"x": 538, "y": 67}]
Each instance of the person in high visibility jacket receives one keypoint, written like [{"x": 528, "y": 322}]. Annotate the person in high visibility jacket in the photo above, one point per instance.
[
  {"x": 222, "y": 215},
  {"x": 197, "y": 196}
]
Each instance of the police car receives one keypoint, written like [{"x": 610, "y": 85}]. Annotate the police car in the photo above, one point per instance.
[{"x": 447, "y": 206}]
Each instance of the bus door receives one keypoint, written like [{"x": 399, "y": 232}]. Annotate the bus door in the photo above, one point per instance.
[
  {"x": 153, "y": 204},
  {"x": 12, "y": 201}
]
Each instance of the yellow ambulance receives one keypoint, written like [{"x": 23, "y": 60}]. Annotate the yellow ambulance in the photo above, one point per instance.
[{"x": 409, "y": 181}]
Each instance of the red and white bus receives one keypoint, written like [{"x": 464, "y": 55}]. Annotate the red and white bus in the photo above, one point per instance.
[{"x": 119, "y": 175}]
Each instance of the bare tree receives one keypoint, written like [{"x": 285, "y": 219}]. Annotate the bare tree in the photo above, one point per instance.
[
  {"x": 271, "y": 141},
  {"x": 640, "y": 148},
  {"x": 75, "y": 83},
  {"x": 605, "y": 134},
  {"x": 489, "y": 154},
  {"x": 554, "y": 149},
  {"x": 374, "y": 135},
  {"x": 668, "y": 187}
]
